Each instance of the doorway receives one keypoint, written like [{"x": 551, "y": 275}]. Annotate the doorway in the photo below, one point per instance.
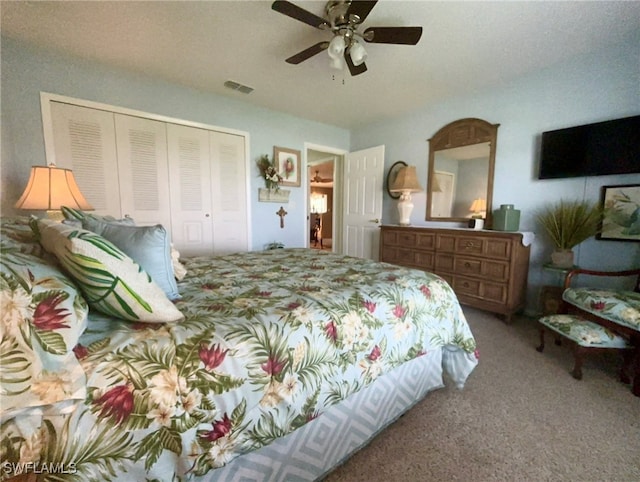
[{"x": 321, "y": 199}]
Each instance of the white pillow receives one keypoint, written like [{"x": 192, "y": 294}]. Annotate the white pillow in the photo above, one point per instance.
[{"x": 110, "y": 280}]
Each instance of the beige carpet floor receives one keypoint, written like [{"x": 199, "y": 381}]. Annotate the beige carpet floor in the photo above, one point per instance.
[{"x": 520, "y": 417}]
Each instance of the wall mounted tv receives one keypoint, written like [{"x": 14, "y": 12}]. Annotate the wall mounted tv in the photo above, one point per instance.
[{"x": 610, "y": 147}]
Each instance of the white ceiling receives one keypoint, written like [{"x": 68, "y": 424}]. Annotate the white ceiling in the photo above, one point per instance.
[{"x": 465, "y": 47}]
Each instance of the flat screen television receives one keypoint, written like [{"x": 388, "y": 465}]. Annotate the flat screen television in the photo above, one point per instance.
[{"x": 610, "y": 147}]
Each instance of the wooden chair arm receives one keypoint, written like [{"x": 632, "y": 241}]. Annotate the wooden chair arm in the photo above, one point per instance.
[{"x": 630, "y": 272}]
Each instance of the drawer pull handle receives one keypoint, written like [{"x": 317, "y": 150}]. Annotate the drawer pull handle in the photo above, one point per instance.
[
  {"x": 469, "y": 245},
  {"x": 467, "y": 265},
  {"x": 465, "y": 284}
]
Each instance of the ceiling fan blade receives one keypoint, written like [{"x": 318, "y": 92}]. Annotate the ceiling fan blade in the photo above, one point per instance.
[
  {"x": 354, "y": 69},
  {"x": 393, "y": 35},
  {"x": 307, "y": 53},
  {"x": 361, "y": 9},
  {"x": 298, "y": 13}
]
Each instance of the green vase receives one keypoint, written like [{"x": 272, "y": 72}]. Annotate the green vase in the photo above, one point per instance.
[{"x": 506, "y": 218}]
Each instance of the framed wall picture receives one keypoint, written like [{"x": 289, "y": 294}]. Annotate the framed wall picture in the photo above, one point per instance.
[
  {"x": 621, "y": 217},
  {"x": 288, "y": 165}
]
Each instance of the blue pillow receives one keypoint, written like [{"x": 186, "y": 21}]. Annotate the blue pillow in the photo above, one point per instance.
[
  {"x": 149, "y": 246},
  {"x": 74, "y": 216}
]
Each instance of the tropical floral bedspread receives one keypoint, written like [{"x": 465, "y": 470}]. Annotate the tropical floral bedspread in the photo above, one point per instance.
[{"x": 270, "y": 339}]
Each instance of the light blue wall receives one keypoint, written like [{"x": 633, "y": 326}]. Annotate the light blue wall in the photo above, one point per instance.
[
  {"x": 597, "y": 87},
  {"x": 26, "y": 72},
  {"x": 600, "y": 86}
]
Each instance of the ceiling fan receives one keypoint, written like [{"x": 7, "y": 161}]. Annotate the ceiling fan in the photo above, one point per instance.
[
  {"x": 317, "y": 178},
  {"x": 343, "y": 18}
]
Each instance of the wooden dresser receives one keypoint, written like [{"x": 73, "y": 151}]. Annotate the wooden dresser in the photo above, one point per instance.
[{"x": 487, "y": 269}]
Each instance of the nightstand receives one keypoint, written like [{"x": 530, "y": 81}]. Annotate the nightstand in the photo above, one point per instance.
[{"x": 551, "y": 294}]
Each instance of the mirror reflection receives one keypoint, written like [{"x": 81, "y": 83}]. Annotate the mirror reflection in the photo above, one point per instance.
[
  {"x": 461, "y": 177},
  {"x": 461, "y": 164}
]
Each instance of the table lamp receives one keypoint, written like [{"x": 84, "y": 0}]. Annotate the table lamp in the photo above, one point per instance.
[
  {"x": 49, "y": 188},
  {"x": 405, "y": 182},
  {"x": 478, "y": 208}
]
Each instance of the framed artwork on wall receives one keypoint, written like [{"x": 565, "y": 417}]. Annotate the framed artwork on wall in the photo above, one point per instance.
[
  {"x": 621, "y": 213},
  {"x": 288, "y": 165}
]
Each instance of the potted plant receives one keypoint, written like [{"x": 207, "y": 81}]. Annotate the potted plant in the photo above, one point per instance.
[{"x": 568, "y": 223}]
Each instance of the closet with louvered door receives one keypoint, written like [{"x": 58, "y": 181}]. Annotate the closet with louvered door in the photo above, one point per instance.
[
  {"x": 85, "y": 141},
  {"x": 229, "y": 187},
  {"x": 143, "y": 176},
  {"x": 191, "y": 180},
  {"x": 191, "y": 190},
  {"x": 207, "y": 182}
]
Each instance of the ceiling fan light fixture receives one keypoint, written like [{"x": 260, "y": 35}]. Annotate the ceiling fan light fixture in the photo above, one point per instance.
[
  {"x": 358, "y": 53},
  {"x": 335, "y": 51},
  {"x": 337, "y": 64},
  {"x": 336, "y": 46}
]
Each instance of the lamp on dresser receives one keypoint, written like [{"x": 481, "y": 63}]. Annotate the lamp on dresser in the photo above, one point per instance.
[
  {"x": 406, "y": 182},
  {"x": 49, "y": 188}
]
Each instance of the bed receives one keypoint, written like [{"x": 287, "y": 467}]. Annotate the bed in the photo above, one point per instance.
[{"x": 269, "y": 365}]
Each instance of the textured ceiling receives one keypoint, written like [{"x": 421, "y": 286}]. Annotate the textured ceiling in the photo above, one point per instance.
[{"x": 465, "y": 47}]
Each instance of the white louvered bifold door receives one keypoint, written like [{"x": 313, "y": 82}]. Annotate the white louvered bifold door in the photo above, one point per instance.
[
  {"x": 229, "y": 190},
  {"x": 143, "y": 170},
  {"x": 190, "y": 186},
  {"x": 84, "y": 141}
]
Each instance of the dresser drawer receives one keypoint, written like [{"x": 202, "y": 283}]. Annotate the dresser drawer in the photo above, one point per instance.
[
  {"x": 488, "y": 291},
  {"x": 408, "y": 257},
  {"x": 486, "y": 268},
  {"x": 468, "y": 266},
  {"x": 425, "y": 260},
  {"x": 426, "y": 241},
  {"x": 419, "y": 259},
  {"x": 482, "y": 246},
  {"x": 470, "y": 245},
  {"x": 406, "y": 239},
  {"x": 466, "y": 286},
  {"x": 390, "y": 238}
]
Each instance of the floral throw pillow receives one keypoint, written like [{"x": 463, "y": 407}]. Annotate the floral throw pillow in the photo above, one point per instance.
[
  {"x": 109, "y": 279},
  {"x": 42, "y": 318}
]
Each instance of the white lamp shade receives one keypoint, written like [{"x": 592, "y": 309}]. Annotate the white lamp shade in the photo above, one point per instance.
[
  {"x": 358, "y": 53},
  {"x": 49, "y": 188}
]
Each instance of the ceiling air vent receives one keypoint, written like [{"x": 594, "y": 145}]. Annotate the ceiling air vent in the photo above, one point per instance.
[{"x": 239, "y": 87}]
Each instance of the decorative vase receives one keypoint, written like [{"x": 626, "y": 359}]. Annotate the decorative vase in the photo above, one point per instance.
[
  {"x": 506, "y": 218},
  {"x": 562, "y": 258}
]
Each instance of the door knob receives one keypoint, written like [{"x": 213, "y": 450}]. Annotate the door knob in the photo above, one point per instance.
[{"x": 374, "y": 220}]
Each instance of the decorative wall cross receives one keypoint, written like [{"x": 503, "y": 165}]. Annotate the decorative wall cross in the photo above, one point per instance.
[{"x": 282, "y": 213}]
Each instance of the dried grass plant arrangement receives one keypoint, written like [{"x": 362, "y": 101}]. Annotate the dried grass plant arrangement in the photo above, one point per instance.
[{"x": 569, "y": 223}]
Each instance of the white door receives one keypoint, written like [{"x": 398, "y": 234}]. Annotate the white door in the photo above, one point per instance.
[
  {"x": 143, "y": 169},
  {"x": 228, "y": 188},
  {"x": 84, "y": 141},
  {"x": 363, "y": 183},
  {"x": 190, "y": 186}
]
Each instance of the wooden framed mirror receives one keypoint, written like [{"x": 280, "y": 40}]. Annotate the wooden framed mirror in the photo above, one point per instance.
[{"x": 461, "y": 164}]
